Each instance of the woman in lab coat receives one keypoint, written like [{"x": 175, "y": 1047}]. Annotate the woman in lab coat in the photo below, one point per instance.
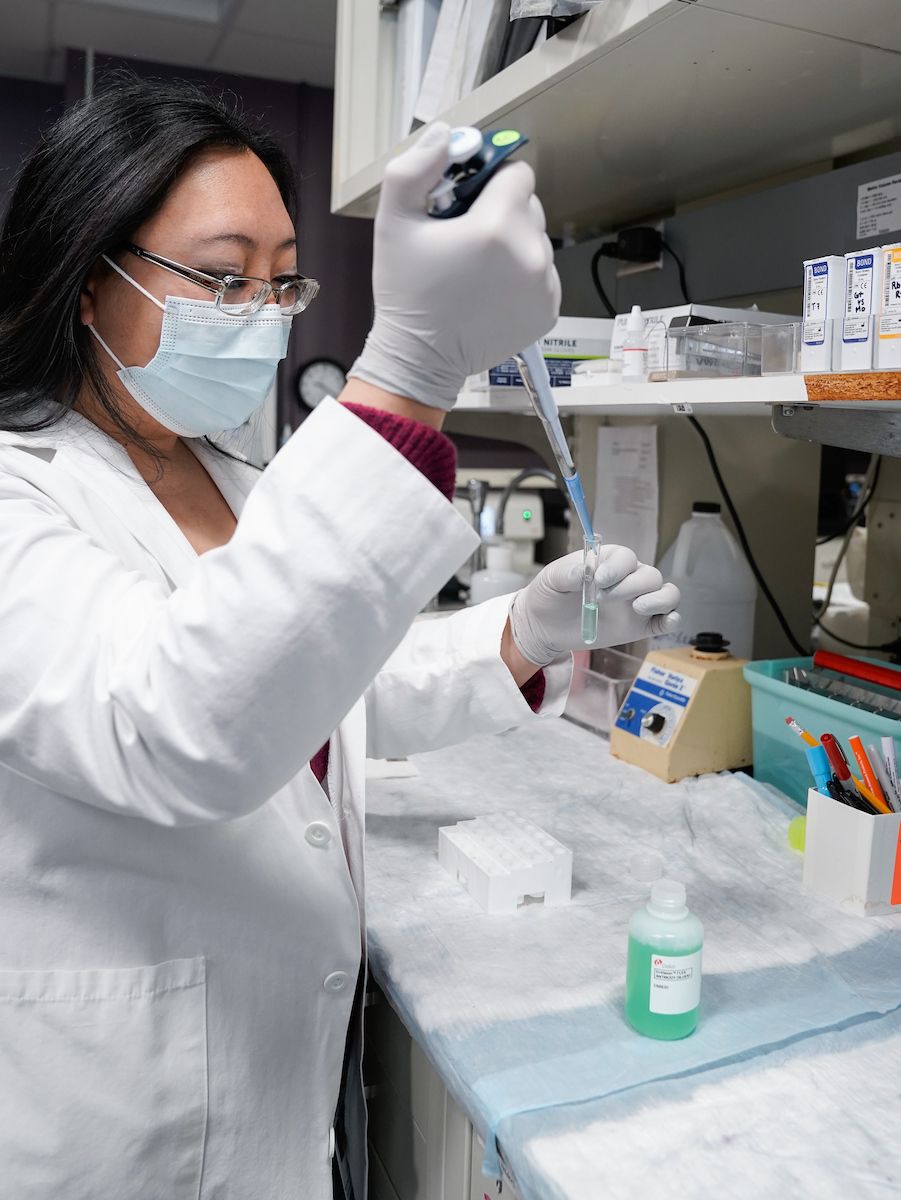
[{"x": 182, "y": 899}]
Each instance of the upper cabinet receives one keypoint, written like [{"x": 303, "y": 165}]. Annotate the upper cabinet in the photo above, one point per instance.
[{"x": 644, "y": 105}]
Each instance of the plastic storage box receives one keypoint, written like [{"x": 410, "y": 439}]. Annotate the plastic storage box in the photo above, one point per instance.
[
  {"x": 778, "y": 753},
  {"x": 852, "y": 857},
  {"x": 600, "y": 684}
]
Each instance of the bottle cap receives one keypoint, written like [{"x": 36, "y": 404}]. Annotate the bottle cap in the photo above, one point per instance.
[
  {"x": 646, "y": 866},
  {"x": 636, "y": 322},
  {"x": 499, "y": 557},
  {"x": 705, "y": 506},
  {"x": 668, "y": 899}
]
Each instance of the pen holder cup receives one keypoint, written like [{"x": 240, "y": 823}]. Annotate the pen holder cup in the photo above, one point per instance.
[{"x": 853, "y": 858}]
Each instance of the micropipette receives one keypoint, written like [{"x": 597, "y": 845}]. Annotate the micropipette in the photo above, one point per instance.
[{"x": 474, "y": 157}]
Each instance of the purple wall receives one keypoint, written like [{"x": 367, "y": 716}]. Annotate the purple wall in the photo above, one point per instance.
[{"x": 25, "y": 108}]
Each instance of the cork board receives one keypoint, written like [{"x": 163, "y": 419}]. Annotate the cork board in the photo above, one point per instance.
[{"x": 861, "y": 385}]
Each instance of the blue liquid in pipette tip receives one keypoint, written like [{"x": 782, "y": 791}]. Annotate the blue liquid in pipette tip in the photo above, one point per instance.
[{"x": 577, "y": 495}]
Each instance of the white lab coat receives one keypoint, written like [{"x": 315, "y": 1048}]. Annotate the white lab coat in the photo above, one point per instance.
[{"x": 181, "y": 903}]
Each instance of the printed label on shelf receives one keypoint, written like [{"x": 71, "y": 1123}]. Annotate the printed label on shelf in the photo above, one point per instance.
[{"x": 675, "y": 983}]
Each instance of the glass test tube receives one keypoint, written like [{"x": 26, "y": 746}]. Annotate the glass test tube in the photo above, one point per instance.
[{"x": 590, "y": 590}]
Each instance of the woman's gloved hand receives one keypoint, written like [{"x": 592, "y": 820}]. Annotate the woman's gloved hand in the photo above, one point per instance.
[
  {"x": 633, "y": 603},
  {"x": 456, "y": 296}
]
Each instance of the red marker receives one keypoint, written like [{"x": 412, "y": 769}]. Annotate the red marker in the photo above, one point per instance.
[{"x": 836, "y": 757}]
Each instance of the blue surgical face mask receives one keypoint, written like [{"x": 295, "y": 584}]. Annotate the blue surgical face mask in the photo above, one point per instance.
[{"x": 212, "y": 370}]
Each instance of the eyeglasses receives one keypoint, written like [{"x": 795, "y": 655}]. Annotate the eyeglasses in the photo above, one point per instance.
[{"x": 241, "y": 294}]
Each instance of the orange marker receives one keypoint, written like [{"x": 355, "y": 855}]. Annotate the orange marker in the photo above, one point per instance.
[{"x": 869, "y": 775}]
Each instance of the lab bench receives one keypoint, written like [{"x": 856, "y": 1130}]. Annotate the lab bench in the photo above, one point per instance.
[{"x": 512, "y": 1024}]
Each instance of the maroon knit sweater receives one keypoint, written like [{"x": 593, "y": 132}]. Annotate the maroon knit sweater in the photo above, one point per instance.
[{"x": 434, "y": 454}]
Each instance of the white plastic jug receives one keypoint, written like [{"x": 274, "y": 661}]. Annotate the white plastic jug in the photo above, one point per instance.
[{"x": 718, "y": 589}]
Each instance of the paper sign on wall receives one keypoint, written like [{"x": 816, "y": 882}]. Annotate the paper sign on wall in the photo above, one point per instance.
[
  {"x": 625, "y": 510},
  {"x": 879, "y": 207}
]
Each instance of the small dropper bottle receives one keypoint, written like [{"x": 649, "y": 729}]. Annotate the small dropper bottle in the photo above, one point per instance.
[
  {"x": 663, "y": 973},
  {"x": 635, "y": 346}
]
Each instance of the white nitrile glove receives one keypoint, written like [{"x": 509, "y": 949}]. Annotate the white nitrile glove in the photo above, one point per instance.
[
  {"x": 633, "y": 603},
  {"x": 460, "y": 295}
]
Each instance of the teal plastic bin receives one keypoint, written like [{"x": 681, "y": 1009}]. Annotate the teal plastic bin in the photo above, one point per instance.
[{"x": 778, "y": 753}]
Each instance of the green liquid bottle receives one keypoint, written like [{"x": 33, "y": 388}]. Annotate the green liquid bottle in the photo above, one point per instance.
[{"x": 663, "y": 973}]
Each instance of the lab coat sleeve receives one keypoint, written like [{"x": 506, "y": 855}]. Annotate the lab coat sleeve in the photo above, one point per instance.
[
  {"x": 199, "y": 705},
  {"x": 447, "y": 681}
]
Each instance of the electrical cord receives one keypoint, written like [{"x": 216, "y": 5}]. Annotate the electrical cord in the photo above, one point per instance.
[
  {"x": 870, "y": 483},
  {"x": 596, "y": 277},
  {"x": 743, "y": 539},
  {"x": 867, "y": 496},
  {"x": 681, "y": 265},
  {"x": 870, "y": 480}
]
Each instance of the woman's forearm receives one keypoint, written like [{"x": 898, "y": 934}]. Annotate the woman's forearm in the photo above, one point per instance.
[
  {"x": 357, "y": 391},
  {"x": 520, "y": 668}
]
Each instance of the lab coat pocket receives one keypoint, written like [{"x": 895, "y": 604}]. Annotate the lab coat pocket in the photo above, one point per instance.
[{"x": 103, "y": 1082}]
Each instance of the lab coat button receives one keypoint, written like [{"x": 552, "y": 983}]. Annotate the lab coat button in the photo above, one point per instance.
[
  {"x": 318, "y": 834},
  {"x": 336, "y": 982}
]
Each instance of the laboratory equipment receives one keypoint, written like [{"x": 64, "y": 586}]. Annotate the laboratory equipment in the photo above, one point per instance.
[
  {"x": 688, "y": 712},
  {"x": 590, "y": 590},
  {"x": 663, "y": 971},
  {"x": 502, "y": 858},
  {"x": 717, "y": 587},
  {"x": 474, "y": 157},
  {"x": 522, "y": 527},
  {"x": 853, "y": 857},
  {"x": 498, "y": 577}
]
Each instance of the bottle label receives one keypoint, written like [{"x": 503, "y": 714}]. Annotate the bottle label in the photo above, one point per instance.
[{"x": 675, "y": 983}]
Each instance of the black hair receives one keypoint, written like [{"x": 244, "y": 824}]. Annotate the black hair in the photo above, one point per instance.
[{"x": 98, "y": 173}]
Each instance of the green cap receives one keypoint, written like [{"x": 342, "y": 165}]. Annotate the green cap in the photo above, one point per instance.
[{"x": 505, "y": 137}]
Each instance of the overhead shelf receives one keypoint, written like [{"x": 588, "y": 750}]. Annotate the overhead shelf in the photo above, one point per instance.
[
  {"x": 716, "y": 397},
  {"x": 643, "y": 105},
  {"x": 874, "y": 391}
]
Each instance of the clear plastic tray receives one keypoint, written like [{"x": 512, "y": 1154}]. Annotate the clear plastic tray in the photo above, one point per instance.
[{"x": 600, "y": 683}]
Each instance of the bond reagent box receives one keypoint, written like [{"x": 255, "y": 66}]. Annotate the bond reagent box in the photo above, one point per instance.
[
  {"x": 824, "y": 296},
  {"x": 861, "y": 301}
]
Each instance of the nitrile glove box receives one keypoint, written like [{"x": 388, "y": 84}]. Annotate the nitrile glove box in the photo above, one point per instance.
[
  {"x": 572, "y": 340},
  {"x": 852, "y": 857},
  {"x": 659, "y": 321}
]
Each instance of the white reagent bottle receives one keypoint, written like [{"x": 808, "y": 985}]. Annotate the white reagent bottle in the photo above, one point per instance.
[{"x": 635, "y": 346}]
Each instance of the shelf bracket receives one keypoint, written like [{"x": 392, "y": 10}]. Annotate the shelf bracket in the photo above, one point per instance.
[{"x": 853, "y": 428}]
